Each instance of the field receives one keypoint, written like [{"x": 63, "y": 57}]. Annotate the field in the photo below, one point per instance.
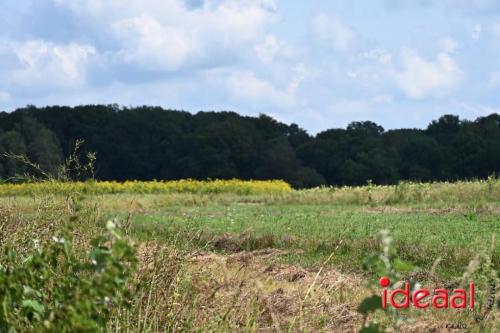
[{"x": 261, "y": 257}]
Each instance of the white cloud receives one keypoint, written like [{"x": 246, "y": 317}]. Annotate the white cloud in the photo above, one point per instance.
[
  {"x": 476, "y": 110},
  {"x": 167, "y": 35},
  {"x": 369, "y": 75},
  {"x": 384, "y": 57},
  {"x": 420, "y": 78},
  {"x": 247, "y": 87},
  {"x": 495, "y": 30},
  {"x": 476, "y": 32},
  {"x": 45, "y": 63},
  {"x": 360, "y": 105},
  {"x": 300, "y": 73},
  {"x": 153, "y": 45},
  {"x": 331, "y": 31},
  {"x": 267, "y": 50},
  {"x": 448, "y": 44},
  {"x": 494, "y": 79},
  {"x": 4, "y": 96}
]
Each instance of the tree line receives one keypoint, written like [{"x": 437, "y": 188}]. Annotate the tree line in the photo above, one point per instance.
[{"x": 146, "y": 143}]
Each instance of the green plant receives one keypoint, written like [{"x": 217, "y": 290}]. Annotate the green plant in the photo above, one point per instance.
[
  {"x": 61, "y": 271},
  {"x": 59, "y": 288},
  {"x": 490, "y": 181},
  {"x": 73, "y": 168},
  {"x": 385, "y": 263}
]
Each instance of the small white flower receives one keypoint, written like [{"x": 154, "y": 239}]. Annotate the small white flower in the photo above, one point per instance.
[
  {"x": 58, "y": 240},
  {"x": 110, "y": 225},
  {"x": 94, "y": 262}
]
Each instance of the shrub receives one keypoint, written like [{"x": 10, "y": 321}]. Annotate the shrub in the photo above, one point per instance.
[{"x": 57, "y": 288}]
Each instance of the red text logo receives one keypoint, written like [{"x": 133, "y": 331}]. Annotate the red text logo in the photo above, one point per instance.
[{"x": 423, "y": 298}]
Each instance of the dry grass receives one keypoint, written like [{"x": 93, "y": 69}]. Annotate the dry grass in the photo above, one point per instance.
[{"x": 253, "y": 292}]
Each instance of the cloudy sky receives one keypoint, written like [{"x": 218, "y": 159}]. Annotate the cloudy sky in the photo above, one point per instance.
[{"x": 321, "y": 64}]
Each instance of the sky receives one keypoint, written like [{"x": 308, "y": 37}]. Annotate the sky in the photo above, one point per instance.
[{"x": 320, "y": 64}]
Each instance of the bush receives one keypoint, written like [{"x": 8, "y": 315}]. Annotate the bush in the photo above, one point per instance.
[{"x": 58, "y": 288}]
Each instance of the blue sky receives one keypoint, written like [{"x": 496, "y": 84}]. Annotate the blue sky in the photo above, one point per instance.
[{"x": 320, "y": 64}]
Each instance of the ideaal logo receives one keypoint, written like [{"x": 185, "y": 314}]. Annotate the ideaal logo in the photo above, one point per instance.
[
  {"x": 419, "y": 298},
  {"x": 439, "y": 299}
]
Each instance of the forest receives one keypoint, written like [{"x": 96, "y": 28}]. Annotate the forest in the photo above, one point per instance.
[{"x": 146, "y": 143}]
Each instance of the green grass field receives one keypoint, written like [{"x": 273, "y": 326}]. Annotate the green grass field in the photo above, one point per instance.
[
  {"x": 312, "y": 231},
  {"x": 439, "y": 228},
  {"x": 312, "y": 223}
]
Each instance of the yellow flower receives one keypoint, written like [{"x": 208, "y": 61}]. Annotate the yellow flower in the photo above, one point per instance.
[{"x": 173, "y": 186}]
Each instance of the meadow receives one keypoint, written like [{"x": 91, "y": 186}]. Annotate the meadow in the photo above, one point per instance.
[{"x": 224, "y": 256}]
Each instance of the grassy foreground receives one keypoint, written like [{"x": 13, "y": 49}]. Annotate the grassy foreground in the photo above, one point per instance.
[{"x": 246, "y": 260}]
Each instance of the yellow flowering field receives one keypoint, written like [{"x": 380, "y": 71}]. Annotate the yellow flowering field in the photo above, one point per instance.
[{"x": 173, "y": 186}]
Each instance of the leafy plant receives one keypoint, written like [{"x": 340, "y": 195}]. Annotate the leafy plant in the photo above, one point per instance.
[
  {"x": 385, "y": 263},
  {"x": 66, "y": 279},
  {"x": 73, "y": 168},
  {"x": 57, "y": 288}
]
